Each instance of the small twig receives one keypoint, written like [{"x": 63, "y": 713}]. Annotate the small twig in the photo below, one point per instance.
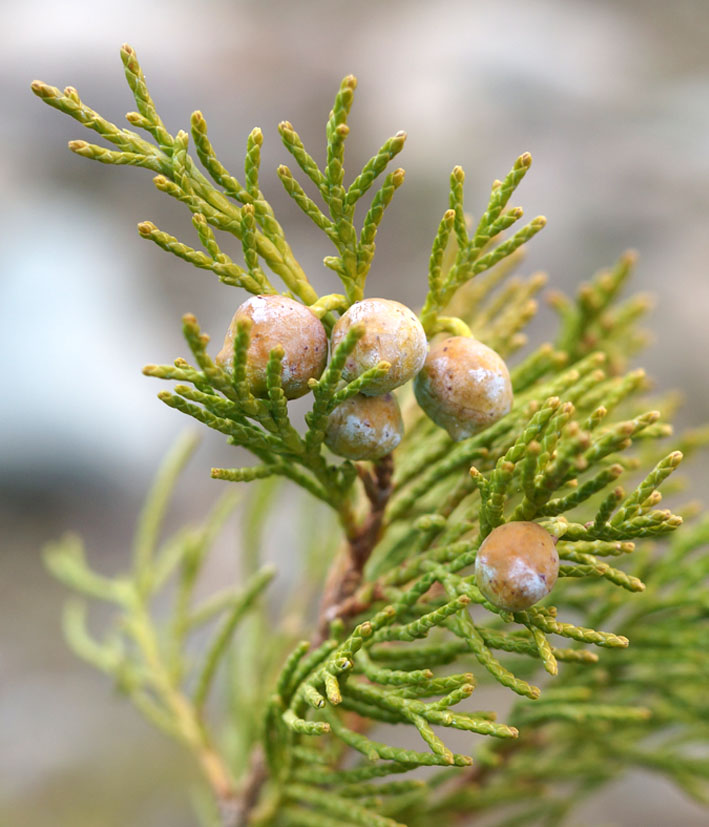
[
  {"x": 346, "y": 574},
  {"x": 234, "y": 810},
  {"x": 230, "y": 812}
]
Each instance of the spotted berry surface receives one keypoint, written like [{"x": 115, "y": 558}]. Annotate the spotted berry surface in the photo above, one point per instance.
[
  {"x": 278, "y": 320},
  {"x": 517, "y": 565},
  {"x": 392, "y": 334},
  {"x": 365, "y": 427},
  {"x": 464, "y": 386}
]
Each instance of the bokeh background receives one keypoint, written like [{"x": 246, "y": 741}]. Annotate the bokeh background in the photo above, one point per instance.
[{"x": 611, "y": 97}]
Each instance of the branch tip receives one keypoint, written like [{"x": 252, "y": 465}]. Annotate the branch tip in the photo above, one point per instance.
[{"x": 44, "y": 90}]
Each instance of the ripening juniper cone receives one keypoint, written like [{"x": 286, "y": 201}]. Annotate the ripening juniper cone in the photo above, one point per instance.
[
  {"x": 464, "y": 386},
  {"x": 365, "y": 427},
  {"x": 392, "y": 334},
  {"x": 278, "y": 320},
  {"x": 517, "y": 565}
]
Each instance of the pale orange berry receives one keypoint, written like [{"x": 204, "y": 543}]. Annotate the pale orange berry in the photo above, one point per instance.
[
  {"x": 392, "y": 334},
  {"x": 464, "y": 386},
  {"x": 365, "y": 427},
  {"x": 278, "y": 320},
  {"x": 516, "y": 565}
]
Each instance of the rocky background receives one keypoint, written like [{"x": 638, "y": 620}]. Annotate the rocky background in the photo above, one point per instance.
[{"x": 610, "y": 97}]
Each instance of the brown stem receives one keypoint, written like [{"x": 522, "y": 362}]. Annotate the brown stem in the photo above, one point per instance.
[
  {"x": 234, "y": 810},
  {"x": 230, "y": 812},
  {"x": 345, "y": 576}
]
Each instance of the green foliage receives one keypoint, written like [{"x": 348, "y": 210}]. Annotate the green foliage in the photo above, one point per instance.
[
  {"x": 405, "y": 634},
  {"x": 151, "y": 664},
  {"x": 474, "y": 254}
]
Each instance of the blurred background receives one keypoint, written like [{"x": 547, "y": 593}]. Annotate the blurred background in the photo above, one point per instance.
[{"x": 611, "y": 98}]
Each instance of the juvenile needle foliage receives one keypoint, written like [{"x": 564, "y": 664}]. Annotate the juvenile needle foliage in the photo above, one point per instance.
[{"x": 320, "y": 731}]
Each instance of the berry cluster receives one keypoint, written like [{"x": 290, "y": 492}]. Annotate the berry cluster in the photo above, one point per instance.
[{"x": 461, "y": 384}]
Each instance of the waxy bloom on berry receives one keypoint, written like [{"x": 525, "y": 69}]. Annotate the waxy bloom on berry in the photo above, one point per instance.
[
  {"x": 278, "y": 320},
  {"x": 464, "y": 386},
  {"x": 517, "y": 565},
  {"x": 392, "y": 333},
  {"x": 365, "y": 427}
]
